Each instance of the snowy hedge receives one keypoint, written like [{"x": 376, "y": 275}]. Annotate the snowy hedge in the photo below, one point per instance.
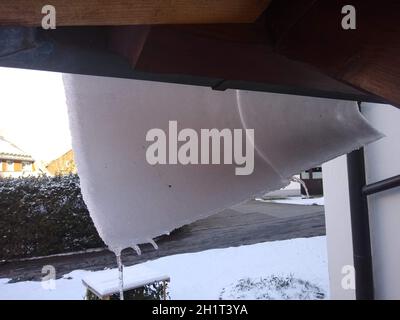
[{"x": 44, "y": 215}]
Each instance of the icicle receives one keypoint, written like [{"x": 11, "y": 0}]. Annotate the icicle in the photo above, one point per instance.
[
  {"x": 120, "y": 277},
  {"x": 153, "y": 243},
  {"x": 298, "y": 180},
  {"x": 137, "y": 249}
]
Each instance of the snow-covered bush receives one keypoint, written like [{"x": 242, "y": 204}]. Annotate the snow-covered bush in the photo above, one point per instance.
[
  {"x": 43, "y": 215},
  {"x": 273, "y": 288}
]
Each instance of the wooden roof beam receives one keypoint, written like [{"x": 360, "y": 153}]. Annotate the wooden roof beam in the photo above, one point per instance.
[
  {"x": 367, "y": 58},
  {"x": 131, "y": 12}
]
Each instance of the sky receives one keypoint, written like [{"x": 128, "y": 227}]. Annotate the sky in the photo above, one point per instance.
[{"x": 33, "y": 112}]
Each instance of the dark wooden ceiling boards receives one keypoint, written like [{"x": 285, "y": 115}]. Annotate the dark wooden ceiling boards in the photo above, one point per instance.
[
  {"x": 131, "y": 12},
  {"x": 367, "y": 58},
  {"x": 294, "y": 47}
]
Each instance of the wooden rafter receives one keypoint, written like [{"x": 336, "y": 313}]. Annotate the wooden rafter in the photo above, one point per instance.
[
  {"x": 233, "y": 53},
  {"x": 367, "y": 58},
  {"x": 131, "y": 12},
  {"x": 296, "y": 46}
]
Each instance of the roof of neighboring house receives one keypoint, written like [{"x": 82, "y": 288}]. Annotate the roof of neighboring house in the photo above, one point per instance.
[{"x": 9, "y": 151}]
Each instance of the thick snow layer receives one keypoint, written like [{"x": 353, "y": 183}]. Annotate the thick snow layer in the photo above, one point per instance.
[
  {"x": 132, "y": 201},
  {"x": 209, "y": 274},
  {"x": 283, "y": 287},
  {"x": 106, "y": 282}
]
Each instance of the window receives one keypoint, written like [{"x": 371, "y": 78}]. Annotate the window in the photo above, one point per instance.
[
  {"x": 10, "y": 165},
  {"x": 26, "y": 167},
  {"x": 317, "y": 173},
  {"x": 305, "y": 175}
]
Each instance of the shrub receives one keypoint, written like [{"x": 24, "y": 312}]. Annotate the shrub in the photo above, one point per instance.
[
  {"x": 42, "y": 216},
  {"x": 273, "y": 288}
]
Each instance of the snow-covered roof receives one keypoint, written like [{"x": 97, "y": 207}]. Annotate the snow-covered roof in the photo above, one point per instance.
[{"x": 9, "y": 151}]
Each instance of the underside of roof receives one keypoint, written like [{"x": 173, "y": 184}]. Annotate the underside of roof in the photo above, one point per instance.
[{"x": 294, "y": 47}]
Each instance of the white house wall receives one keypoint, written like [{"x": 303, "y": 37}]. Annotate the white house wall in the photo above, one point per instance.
[
  {"x": 338, "y": 226},
  {"x": 382, "y": 161}
]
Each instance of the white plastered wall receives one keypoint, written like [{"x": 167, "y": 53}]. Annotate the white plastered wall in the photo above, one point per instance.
[
  {"x": 338, "y": 225},
  {"x": 382, "y": 161}
]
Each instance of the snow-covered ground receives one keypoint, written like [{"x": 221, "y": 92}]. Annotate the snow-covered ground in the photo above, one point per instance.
[
  {"x": 239, "y": 272},
  {"x": 296, "y": 200}
]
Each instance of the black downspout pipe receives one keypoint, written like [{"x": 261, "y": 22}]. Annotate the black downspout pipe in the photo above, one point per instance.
[
  {"x": 360, "y": 226},
  {"x": 389, "y": 183}
]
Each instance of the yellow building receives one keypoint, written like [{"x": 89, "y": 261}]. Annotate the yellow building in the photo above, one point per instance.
[
  {"x": 14, "y": 162},
  {"x": 62, "y": 165}
]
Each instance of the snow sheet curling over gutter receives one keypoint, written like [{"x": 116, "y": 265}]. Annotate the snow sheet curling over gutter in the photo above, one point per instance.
[{"x": 132, "y": 201}]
